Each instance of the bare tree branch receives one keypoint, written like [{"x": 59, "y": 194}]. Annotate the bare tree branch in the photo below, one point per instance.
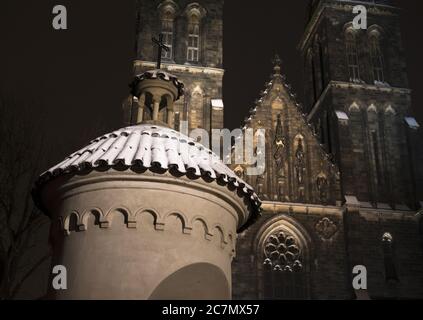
[
  {"x": 22, "y": 146},
  {"x": 23, "y": 141}
]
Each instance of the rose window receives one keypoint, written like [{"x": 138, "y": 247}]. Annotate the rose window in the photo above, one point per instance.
[{"x": 282, "y": 253}]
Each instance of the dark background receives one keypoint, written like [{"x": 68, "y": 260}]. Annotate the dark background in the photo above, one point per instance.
[{"x": 80, "y": 76}]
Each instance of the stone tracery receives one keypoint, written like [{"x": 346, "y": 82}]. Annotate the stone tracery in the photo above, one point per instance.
[{"x": 282, "y": 253}]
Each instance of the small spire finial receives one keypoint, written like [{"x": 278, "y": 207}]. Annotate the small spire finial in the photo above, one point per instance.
[
  {"x": 277, "y": 60},
  {"x": 277, "y": 64}
]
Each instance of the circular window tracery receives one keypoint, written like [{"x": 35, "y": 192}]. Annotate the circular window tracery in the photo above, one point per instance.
[{"x": 282, "y": 253}]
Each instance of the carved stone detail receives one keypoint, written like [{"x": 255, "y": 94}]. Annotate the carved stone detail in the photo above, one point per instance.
[
  {"x": 322, "y": 187},
  {"x": 282, "y": 253},
  {"x": 387, "y": 238},
  {"x": 326, "y": 228},
  {"x": 240, "y": 172}
]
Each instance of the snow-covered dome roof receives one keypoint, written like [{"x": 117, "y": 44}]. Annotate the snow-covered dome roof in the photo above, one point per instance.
[{"x": 148, "y": 146}]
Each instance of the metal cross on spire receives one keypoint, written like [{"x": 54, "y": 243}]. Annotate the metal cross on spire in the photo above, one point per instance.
[
  {"x": 277, "y": 60},
  {"x": 161, "y": 46},
  {"x": 277, "y": 64}
]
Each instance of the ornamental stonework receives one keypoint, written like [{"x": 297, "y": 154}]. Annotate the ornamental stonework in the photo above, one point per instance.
[
  {"x": 326, "y": 228},
  {"x": 282, "y": 253}
]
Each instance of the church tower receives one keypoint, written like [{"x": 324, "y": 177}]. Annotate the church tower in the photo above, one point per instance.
[
  {"x": 358, "y": 99},
  {"x": 193, "y": 33}
]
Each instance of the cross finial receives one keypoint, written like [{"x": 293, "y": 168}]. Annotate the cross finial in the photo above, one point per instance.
[
  {"x": 277, "y": 64},
  {"x": 161, "y": 46},
  {"x": 277, "y": 60}
]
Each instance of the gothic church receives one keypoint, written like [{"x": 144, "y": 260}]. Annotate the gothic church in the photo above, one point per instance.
[{"x": 340, "y": 187}]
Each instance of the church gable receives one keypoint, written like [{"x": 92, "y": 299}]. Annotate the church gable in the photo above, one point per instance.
[{"x": 297, "y": 167}]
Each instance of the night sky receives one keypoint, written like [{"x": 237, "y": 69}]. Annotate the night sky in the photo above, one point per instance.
[{"x": 80, "y": 76}]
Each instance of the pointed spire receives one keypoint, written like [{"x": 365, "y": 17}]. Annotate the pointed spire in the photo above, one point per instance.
[{"x": 277, "y": 64}]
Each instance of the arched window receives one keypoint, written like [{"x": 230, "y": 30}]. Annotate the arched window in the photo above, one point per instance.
[
  {"x": 195, "y": 13},
  {"x": 376, "y": 56},
  {"x": 374, "y": 142},
  {"x": 167, "y": 17},
  {"x": 193, "y": 50},
  {"x": 283, "y": 261},
  {"x": 196, "y": 106},
  {"x": 352, "y": 54},
  {"x": 167, "y": 31}
]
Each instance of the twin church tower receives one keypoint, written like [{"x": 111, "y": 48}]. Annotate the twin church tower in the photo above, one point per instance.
[
  {"x": 356, "y": 93},
  {"x": 341, "y": 183}
]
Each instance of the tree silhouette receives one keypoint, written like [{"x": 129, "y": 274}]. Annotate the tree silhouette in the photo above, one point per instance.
[{"x": 22, "y": 158}]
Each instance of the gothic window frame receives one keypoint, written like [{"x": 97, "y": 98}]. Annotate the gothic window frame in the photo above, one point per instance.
[
  {"x": 374, "y": 38},
  {"x": 352, "y": 55},
  {"x": 283, "y": 223},
  {"x": 195, "y": 14},
  {"x": 193, "y": 48},
  {"x": 375, "y": 146},
  {"x": 355, "y": 113},
  {"x": 167, "y": 31},
  {"x": 167, "y": 14},
  {"x": 389, "y": 132},
  {"x": 196, "y": 103}
]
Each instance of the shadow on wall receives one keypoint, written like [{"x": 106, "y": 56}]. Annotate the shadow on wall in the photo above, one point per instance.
[{"x": 201, "y": 281}]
